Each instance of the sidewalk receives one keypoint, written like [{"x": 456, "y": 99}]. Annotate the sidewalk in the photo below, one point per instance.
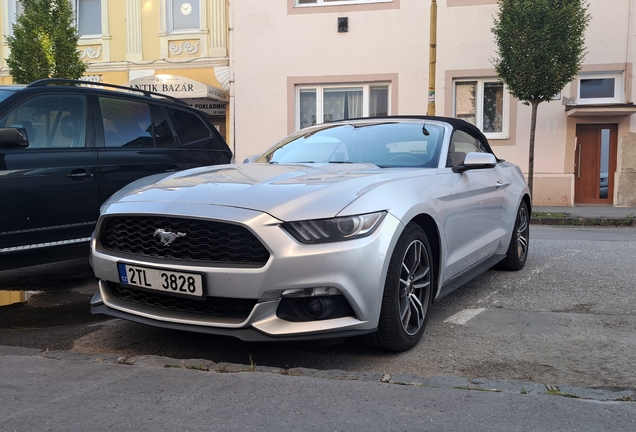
[
  {"x": 65, "y": 390},
  {"x": 584, "y": 215}
]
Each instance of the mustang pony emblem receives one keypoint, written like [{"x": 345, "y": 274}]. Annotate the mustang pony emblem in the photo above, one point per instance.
[{"x": 167, "y": 237}]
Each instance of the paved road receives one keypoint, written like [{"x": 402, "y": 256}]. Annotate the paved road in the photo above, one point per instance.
[{"x": 568, "y": 318}]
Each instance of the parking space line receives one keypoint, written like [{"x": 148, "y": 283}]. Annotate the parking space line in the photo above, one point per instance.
[{"x": 464, "y": 316}]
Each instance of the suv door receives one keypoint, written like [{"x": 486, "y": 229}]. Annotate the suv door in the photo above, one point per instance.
[
  {"x": 202, "y": 143},
  {"x": 49, "y": 189},
  {"x": 134, "y": 140}
]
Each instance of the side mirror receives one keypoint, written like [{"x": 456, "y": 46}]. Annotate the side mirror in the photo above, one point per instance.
[
  {"x": 476, "y": 160},
  {"x": 250, "y": 159},
  {"x": 12, "y": 138}
]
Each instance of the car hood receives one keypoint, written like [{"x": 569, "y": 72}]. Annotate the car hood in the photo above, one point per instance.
[{"x": 287, "y": 192}]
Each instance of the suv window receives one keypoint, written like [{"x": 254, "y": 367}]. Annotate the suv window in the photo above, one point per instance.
[
  {"x": 163, "y": 133},
  {"x": 126, "y": 123},
  {"x": 50, "y": 121},
  {"x": 189, "y": 127}
]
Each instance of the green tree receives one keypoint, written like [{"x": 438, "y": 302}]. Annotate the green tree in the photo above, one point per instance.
[
  {"x": 44, "y": 43},
  {"x": 540, "y": 48}
]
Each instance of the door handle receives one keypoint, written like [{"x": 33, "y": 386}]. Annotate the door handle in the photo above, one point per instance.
[
  {"x": 79, "y": 174},
  {"x": 499, "y": 185}
]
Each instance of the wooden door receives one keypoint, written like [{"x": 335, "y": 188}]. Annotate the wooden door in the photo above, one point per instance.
[{"x": 595, "y": 163}]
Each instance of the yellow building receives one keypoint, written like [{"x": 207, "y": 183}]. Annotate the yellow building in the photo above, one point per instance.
[{"x": 177, "y": 47}]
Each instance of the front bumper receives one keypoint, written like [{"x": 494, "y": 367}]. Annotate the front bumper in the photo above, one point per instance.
[{"x": 357, "y": 268}]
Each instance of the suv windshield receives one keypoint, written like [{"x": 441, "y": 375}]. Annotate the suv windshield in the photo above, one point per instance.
[{"x": 5, "y": 94}]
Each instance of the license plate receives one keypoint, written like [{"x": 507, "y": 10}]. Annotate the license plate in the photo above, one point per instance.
[{"x": 167, "y": 281}]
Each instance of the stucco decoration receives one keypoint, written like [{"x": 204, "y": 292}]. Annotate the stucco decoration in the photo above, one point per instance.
[
  {"x": 184, "y": 47},
  {"x": 222, "y": 74},
  {"x": 626, "y": 176},
  {"x": 90, "y": 52}
]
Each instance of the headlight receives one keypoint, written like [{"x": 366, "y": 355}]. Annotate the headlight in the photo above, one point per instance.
[{"x": 336, "y": 229}]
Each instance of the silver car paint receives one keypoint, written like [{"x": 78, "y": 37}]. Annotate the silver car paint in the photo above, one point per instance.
[{"x": 261, "y": 196}]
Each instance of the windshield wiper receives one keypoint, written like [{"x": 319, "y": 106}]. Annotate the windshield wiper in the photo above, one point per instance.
[{"x": 340, "y": 162}]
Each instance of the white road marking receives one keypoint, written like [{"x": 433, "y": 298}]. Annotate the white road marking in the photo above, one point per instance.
[{"x": 464, "y": 316}]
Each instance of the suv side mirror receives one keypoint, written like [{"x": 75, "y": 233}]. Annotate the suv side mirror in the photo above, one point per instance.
[
  {"x": 250, "y": 159},
  {"x": 12, "y": 138},
  {"x": 476, "y": 160}
]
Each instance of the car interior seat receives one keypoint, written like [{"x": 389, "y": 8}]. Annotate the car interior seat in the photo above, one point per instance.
[
  {"x": 70, "y": 127},
  {"x": 455, "y": 158}
]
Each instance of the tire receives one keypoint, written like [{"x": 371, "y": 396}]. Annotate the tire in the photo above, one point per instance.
[
  {"x": 408, "y": 293},
  {"x": 517, "y": 254}
]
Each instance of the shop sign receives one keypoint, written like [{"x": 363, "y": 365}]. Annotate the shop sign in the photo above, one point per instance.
[
  {"x": 209, "y": 106},
  {"x": 179, "y": 87}
]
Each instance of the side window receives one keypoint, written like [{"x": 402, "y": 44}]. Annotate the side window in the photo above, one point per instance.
[
  {"x": 463, "y": 143},
  {"x": 126, "y": 123},
  {"x": 189, "y": 127},
  {"x": 163, "y": 134},
  {"x": 50, "y": 121}
]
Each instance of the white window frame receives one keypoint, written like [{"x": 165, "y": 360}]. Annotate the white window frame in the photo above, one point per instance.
[
  {"x": 170, "y": 20},
  {"x": 338, "y": 2},
  {"x": 366, "y": 94},
  {"x": 479, "y": 106},
  {"x": 619, "y": 93},
  {"x": 76, "y": 8}
]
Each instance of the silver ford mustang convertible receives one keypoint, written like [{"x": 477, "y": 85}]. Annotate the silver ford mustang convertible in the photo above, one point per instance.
[{"x": 341, "y": 229}]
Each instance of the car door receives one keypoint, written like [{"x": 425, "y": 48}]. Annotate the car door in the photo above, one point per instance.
[
  {"x": 48, "y": 189},
  {"x": 134, "y": 141},
  {"x": 474, "y": 228}
]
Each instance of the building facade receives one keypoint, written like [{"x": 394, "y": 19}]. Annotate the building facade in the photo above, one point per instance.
[
  {"x": 177, "y": 47},
  {"x": 263, "y": 69},
  {"x": 299, "y": 62}
]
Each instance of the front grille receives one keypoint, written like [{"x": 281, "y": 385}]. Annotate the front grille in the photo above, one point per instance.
[
  {"x": 211, "y": 306},
  {"x": 203, "y": 240}
]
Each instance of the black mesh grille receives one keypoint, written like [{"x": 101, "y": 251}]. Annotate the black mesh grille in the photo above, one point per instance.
[
  {"x": 204, "y": 241},
  {"x": 211, "y": 306}
]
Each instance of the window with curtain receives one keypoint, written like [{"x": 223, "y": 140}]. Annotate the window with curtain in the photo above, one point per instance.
[
  {"x": 89, "y": 17},
  {"x": 320, "y": 104},
  {"x": 483, "y": 103}
]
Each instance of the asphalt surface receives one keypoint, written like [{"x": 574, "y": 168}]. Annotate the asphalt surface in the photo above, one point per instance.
[{"x": 552, "y": 354}]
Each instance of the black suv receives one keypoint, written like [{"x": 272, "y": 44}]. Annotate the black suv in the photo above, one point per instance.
[{"x": 66, "y": 147}]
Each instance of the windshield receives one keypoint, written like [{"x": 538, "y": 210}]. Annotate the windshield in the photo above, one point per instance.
[
  {"x": 396, "y": 144},
  {"x": 5, "y": 94}
]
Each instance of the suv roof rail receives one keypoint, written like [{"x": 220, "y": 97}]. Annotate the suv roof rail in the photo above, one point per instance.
[{"x": 47, "y": 81}]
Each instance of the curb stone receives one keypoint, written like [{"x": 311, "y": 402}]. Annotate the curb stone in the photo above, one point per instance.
[
  {"x": 504, "y": 386},
  {"x": 583, "y": 221}
]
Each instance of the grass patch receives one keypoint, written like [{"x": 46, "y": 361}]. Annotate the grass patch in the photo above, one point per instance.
[
  {"x": 252, "y": 366},
  {"x": 555, "y": 391},
  {"x": 172, "y": 366},
  {"x": 549, "y": 215},
  {"x": 199, "y": 367}
]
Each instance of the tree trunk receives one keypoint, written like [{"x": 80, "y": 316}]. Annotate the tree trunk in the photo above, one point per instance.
[{"x": 533, "y": 127}]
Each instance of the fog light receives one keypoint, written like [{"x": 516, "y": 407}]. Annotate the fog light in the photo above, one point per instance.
[{"x": 319, "y": 307}]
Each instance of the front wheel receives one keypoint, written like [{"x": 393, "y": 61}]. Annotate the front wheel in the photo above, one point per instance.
[
  {"x": 517, "y": 254},
  {"x": 408, "y": 293}
]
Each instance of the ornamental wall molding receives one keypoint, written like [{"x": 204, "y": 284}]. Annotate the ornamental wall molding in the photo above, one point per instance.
[
  {"x": 186, "y": 47},
  {"x": 90, "y": 52}
]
